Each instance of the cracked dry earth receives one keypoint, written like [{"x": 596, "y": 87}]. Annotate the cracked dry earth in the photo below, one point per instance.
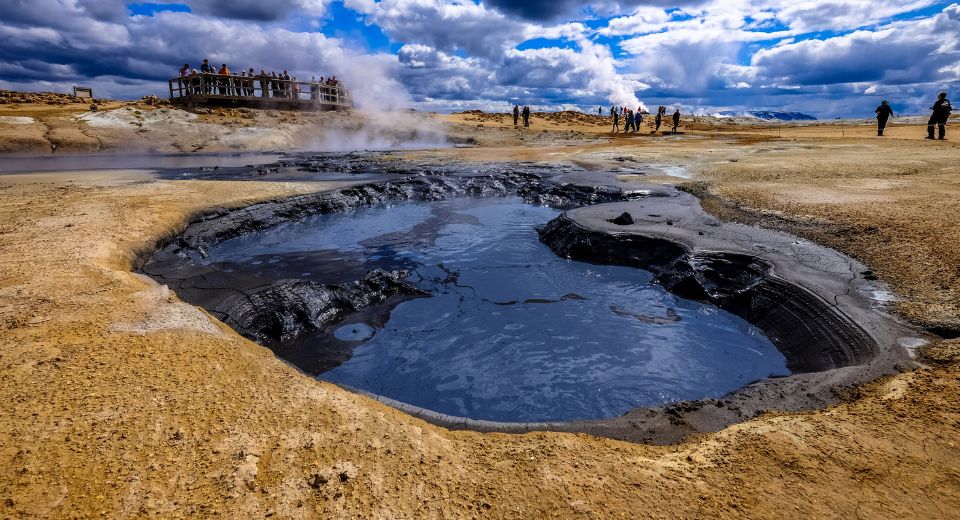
[{"x": 118, "y": 400}]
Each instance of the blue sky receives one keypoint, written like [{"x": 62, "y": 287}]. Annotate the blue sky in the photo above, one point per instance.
[{"x": 829, "y": 59}]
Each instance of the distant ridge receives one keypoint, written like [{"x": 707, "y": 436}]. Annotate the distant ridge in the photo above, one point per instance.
[{"x": 766, "y": 115}]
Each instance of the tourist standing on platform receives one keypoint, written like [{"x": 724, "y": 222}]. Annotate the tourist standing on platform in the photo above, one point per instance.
[
  {"x": 285, "y": 84},
  {"x": 264, "y": 83},
  {"x": 184, "y": 84},
  {"x": 206, "y": 69},
  {"x": 224, "y": 80},
  {"x": 196, "y": 82}
]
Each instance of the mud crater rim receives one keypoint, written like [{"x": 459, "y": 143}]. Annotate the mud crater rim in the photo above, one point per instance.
[{"x": 676, "y": 266}]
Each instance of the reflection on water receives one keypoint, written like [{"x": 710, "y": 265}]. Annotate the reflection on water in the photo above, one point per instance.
[{"x": 512, "y": 332}]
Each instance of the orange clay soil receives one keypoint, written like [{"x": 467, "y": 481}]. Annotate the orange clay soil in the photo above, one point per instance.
[{"x": 117, "y": 400}]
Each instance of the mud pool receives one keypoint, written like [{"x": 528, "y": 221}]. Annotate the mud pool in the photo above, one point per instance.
[{"x": 511, "y": 332}]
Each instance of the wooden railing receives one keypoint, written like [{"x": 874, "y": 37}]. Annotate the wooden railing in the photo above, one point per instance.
[{"x": 258, "y": 90}]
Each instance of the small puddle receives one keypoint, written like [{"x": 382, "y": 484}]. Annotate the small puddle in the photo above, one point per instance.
[
  {"x": 511, "y": 332},
  {"x": 674, "y": 171}
]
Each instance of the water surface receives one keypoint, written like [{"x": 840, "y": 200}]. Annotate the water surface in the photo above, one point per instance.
[{"x": 511, "y": 332}]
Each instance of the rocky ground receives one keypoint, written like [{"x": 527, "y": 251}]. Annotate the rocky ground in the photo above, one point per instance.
[{"x": 118, "y": 400}]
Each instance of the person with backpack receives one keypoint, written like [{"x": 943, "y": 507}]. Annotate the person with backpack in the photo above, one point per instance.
[
  {"x": 526, "y": 116},
  {"x": 941, "y": 112}
]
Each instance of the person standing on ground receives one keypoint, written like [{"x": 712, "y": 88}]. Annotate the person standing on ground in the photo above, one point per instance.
[
  {"x": 676, "y": 120},
  {"x": 616, "y": 120},
  {"x": 516, "y": 115},
  {"x": 941, "y": 112},
  {"x": 600, "y": 111},
  {"x": 659, "y": 119},
  {"x": 637, "y": 119},
  {"x": 884, "y": 112},
  {"x": 526, "y": 116}
]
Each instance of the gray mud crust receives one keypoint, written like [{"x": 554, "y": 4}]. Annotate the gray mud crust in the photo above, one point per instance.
[{"x": 813, "y": 302}]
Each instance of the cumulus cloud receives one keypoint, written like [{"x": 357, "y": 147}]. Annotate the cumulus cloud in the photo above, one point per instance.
[{"x": 817, "y": 56}]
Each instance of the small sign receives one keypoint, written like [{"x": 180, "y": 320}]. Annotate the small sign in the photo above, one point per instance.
[{"x": 83, "y": 92}]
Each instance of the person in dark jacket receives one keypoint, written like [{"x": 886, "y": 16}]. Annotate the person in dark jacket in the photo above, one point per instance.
[
  {"x": 884, "y": 112},
  {"x": 516, "y": 114},
  {"x": 206, "y": 68},
  {"x": 616, "y": 119},
  {"x": 676, "y": 120},
  {"x": 941, "y": 112},
  {"x": 526, "y": 116}
]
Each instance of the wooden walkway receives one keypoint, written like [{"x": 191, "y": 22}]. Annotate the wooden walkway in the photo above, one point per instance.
[{"x": 257, "y": 92}]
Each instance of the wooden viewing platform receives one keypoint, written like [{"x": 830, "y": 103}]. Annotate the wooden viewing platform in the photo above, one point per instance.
[{"x": 258, "y": 92}]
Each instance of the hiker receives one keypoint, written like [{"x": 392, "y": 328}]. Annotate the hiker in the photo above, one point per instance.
[
  {"x": 627, "y": 120},
  {"x": 250, "y": 75},
  {"x": 637, "y": 119},
  {"x": 286, "y": 86},
  {"x": 659, "y": 119},
  {"x": 941, "y": 112},
  {"x": 516, "y": 114},
  {"x": 223, "y": 82},
  {"x": 676, "y": 120},
  {"x": 526, "y": 116},
  {"x": 884, "y": 112},
  {"x": 600, "y": 111},
  {"x": 616, "y": 120},
  {"x": 205, "y": 69},
  {"x": 274, "y": 84},
  {"x": 294, "y": 88}
]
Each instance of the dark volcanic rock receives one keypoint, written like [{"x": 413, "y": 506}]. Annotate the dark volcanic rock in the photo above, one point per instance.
[
  {"x": 284, "y": 310},
  {"x": 625, "y": 219}
]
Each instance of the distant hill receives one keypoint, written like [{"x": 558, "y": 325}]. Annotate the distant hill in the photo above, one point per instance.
[{"x": 766, "y": 115}]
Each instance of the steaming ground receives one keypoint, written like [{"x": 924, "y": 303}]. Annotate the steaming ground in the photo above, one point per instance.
[
  {"x": 148, "y": 128},
  {"x": 117, "y": 400}
]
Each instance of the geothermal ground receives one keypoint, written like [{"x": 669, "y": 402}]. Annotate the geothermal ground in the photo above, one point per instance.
[{"x": 120, "y": 400}]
